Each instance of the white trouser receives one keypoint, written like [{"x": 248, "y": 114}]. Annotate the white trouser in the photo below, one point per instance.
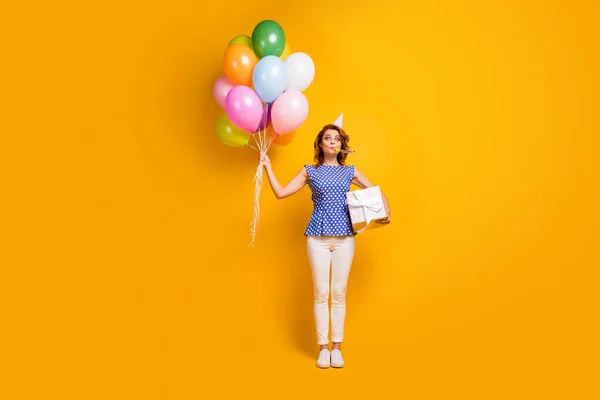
[{"x": 323, "y": 252}]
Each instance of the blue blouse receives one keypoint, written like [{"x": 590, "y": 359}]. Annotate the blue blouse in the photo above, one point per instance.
[{"x": 329, "y": 185}]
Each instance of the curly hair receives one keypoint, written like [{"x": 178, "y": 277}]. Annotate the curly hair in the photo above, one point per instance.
[{"x": 344, "y": 138}]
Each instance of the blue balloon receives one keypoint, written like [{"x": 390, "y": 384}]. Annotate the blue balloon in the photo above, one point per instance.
[{"x": 269, "y": 78}]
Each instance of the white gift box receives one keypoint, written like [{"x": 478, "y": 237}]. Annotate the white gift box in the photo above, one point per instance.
[{"x": 366, "y": 207}]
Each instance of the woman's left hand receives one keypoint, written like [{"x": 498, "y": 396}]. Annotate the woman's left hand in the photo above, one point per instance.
[{"x": 387, "y": 219}]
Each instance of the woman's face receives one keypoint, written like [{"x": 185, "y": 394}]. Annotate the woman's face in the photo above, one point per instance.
[{"x": 331, "y": 141}]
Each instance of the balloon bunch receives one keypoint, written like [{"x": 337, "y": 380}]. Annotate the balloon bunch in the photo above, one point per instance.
[{"x": 262, "y": 94}]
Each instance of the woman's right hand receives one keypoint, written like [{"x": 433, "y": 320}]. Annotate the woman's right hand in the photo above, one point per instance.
[{"x": 264, "y": 159}]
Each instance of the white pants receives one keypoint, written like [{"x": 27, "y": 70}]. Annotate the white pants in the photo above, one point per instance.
[{"x": 323, "y": 252}]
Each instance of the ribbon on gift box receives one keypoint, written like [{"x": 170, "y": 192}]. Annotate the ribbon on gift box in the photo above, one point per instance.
[{"x": 358, "y": 200}]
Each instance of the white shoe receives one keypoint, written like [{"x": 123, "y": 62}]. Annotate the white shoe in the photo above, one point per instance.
[
  {"x": 324, "y": 360},
  {"x": 336, "y": 359}
]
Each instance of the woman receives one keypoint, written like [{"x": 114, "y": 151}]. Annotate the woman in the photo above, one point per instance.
[{"x": 330, "y": 237}]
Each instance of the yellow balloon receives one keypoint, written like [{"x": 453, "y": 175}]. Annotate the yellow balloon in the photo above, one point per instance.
[
  {"x": 229, "y": 133},
  {"x": 242, "y": 39},
  {"x": 286, "y": 52}
]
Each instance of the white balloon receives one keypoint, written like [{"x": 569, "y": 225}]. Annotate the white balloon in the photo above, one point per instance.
[{"x": 300, "y": 71}]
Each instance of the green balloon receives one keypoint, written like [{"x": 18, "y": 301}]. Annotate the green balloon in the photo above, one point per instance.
[
  {"x": 268, "y": 39},
  {"x": 242, "y": 39},
  {"x": 230, "y": 134}
]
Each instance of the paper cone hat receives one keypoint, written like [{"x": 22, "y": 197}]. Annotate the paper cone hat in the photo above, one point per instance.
[{"x": 339, "y": 121}]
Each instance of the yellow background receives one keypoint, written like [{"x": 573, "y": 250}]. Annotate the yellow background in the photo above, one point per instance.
[{"x": 125, "y": 267}]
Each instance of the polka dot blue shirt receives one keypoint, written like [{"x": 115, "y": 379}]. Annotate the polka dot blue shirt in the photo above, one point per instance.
[{"x": 329, "y": 184}]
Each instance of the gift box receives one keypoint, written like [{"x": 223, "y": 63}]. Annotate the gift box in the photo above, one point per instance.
[{"x": 365, "y": 207}]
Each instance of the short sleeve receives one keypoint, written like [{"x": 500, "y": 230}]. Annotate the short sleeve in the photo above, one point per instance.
[{"x": 308, "y": 171}]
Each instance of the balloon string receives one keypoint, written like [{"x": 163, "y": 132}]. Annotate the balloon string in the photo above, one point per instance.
[
  {"x": 257, "y": 188},
  {"x": 255, "y": 141},
  {"x": 271, "y": 139},
  {"x": 264, "y": 144}
]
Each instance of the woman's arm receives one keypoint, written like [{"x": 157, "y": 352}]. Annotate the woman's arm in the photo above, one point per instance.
[
  {"x": 362, "y": 182},
  {"x": 292, "y": 187}
]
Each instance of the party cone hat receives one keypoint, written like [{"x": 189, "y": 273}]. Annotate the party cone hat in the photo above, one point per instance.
[{"x": 339, "y": 121}]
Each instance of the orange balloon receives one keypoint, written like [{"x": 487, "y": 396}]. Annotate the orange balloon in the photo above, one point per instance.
[
  {"x": 284, "y": 140},
  {"x": 281, "y": 140},
  {"x": 239, "y": 62}
]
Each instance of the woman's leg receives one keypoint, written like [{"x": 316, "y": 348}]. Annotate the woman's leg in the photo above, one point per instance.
[
  {"x": 342, "y": 256},
  {"x": 319, "y": 257}
]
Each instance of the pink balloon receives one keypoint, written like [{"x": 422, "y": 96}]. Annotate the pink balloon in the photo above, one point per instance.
[
  {"x": 289, "y": 112},
  {"x": 221, "y": 87},
  {"x": 244, "y": 108}
]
